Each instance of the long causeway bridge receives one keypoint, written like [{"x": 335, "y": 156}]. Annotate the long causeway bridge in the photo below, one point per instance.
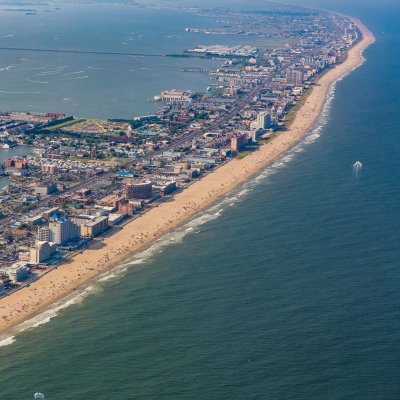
[{"x": 98, "y": 52}]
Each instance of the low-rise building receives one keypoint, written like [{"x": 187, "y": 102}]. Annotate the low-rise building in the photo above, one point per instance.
[
  {"x": 17, "y": 272},
  {"x": 49, "y": 169},
  {"x": 166, "y": 188},
  {"x": 114, "y": 219},
  {"x": 47, "y": 188},
  {"x": 174, "y": 97}
]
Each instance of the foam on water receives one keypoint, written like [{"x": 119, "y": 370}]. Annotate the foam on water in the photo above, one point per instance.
[
  {"x": 8, "y": 67},
  {"x": 107, "y": 278},
  {"x": 47, "y": 315},
  {"x": 7, "y": 341}
]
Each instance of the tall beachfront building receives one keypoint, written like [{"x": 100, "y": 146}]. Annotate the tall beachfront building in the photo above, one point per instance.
[
  {"x": 62, "y": 231},
  {"x": 294, "y": 77},
  {"x": 263, "y": 120}
]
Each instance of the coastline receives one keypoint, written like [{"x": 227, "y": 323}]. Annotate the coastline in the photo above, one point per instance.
[{"x": 142, "y": 232}]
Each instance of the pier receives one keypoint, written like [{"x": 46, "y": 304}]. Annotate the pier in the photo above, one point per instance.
[{"x": 199, "y": 70}]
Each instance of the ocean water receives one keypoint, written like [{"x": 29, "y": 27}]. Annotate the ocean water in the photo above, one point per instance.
[{"x": 287, "y": 289}]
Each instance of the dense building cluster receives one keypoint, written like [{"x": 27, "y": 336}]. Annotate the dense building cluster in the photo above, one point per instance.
[{"x": 84, "y": 178}]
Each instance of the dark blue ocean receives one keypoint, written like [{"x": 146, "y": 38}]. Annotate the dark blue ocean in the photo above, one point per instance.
[{"x": 287, "y": 289}]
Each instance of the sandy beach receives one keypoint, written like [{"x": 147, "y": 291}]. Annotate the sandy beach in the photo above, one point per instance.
[{"x": 140, "y": 233}]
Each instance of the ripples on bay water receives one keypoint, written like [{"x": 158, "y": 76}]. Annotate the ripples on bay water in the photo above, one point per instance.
[
  {"x": 287, "y": 289},
  {"x": 101, "y": 86}
]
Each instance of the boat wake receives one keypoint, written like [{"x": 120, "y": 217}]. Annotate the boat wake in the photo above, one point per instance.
[
  {"x": 79, "y": 77},
  {"x": 33, "y": 81},
  {"x": 8, "y": 92}
]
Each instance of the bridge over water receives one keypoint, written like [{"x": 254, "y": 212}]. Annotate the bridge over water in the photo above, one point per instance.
[{"x": 98, "y": 52}]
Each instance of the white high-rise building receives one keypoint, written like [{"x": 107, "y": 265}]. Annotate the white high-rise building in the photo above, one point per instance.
[
  {"x": 62, "y": 231},
  {"x": 263, "y": 120},
  {"x": 42, "y": 251}
]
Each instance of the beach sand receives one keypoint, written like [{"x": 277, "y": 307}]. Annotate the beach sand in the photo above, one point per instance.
[{"x": 140, "y": 233}]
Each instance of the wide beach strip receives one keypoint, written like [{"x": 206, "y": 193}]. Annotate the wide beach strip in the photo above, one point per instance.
[{"x": 140, "y": 233}]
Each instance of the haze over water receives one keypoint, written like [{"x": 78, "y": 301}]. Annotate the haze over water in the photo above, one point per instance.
[
  {"x": 100, "y": 86},
  {"x": 290, "y": 290}
]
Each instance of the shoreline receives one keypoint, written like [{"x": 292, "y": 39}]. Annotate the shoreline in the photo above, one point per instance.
[{"x": 143, "y": 232}]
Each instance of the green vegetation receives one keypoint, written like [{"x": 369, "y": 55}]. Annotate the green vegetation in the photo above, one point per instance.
[
  {"x": 63, "y": 124},
  {"x": 290, "y": 116},
  {"x": 254, "y": 147},
  {"x": 181, "y": 149},
  {"x": 248, "y": 150},
  {"x": 88, "y": 159},
  {"x": 202, "y": 116}
]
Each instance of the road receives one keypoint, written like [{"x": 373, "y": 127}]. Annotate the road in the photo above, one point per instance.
[{"x": 181, "y": 142}]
